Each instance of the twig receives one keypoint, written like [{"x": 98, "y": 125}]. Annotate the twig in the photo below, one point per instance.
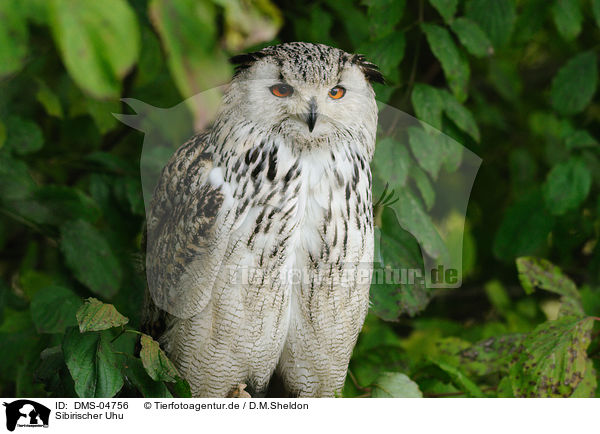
[
  {"x": 121, "y": 353},
  {"x": 118, "y": 336},
  {"x": 367, "y": 390},
  {"x": 413, "y": 71},
  {"x": 134, "y": 331},
  {"x": 26, "y": 222}
]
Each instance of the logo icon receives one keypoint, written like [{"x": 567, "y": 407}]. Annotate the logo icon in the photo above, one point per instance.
[{"x": 26, "y": 413}]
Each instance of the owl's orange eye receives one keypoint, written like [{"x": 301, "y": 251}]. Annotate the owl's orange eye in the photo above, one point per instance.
[
  {"x": 282, "y": 90},
  {"x": 337, "y": 92}
]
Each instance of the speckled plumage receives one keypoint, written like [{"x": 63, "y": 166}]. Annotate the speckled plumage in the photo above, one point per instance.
[{"x": 254, "y": 199}]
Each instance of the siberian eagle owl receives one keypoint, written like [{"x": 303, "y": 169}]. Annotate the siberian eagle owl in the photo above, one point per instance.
[{"x": 260, "y": 232}]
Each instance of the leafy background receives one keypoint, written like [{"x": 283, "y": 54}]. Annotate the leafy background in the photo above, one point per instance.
[{"x": 512, "y": 80}]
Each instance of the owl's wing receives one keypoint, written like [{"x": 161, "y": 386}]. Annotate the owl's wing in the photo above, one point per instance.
[{"x": 187, "y": 232}]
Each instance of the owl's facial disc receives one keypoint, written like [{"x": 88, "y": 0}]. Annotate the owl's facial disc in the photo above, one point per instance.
[{"x": 311, "y": 95}]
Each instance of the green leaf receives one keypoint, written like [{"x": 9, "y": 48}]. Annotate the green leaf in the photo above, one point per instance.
[
  {"x": 589, "y": 383},
  {"x": 446, "y": 8},
  {"x": 15, "y": 321},
  {"x": 532, "y": 17},
  {"x": 155, "y": 361},
  {"x": 102, "y": 113},
  {"x": 110, "y": 162},
  {"x": 492, "y": 355},
  {"x": 129, "y": 191},
  {"x": 575, "y": 83},
  {"x": 13, "y": 39},
  {"x": 413, "y": 218},
  {"x": 53, "y": 309},
  {"x": 427, "y": 149},
  {"x": 524, "y": 228},
  {"x": 391, "y": 162},
  {"x": 567, "y": 186},
  {"x": 386, "y": 52},
  {"x": 316, "y": 27},
  {"x": 49, "y": 100},
  {"x": 570, "y": 306},
  {"x": 32, "y": 281},
  {"x": 23, "y": 136},
  {"x": 15, "y": 181},
  {"x": 460, "y": 115},
  {"x": 472, "y": 37},
  {"x": 92, "y": 364},
  {"x": 136, "y": 374},
  {"x": 150, "y": 62},
  {"x": 428, "y": 104},
  {"x": 90, "y": 258},
  {"x": 504, "y": 76},
  {"x": 395, "y": 385},
  {"x": 567, "y": 18},
  {"x": 180, "y": 389},
  {"x": 188, "y": 31},
  {"x": 393, "y": 291},
  {"x": 249, "y": 23},
  {"x": 590, "y": 299},
  {"x": 504, "y": 389},
  {"x": 56, "y": 204},
  {"x": 459, "y": 378},
  {"x": 423, "y": 185},
  {"x": 496, "y": 17},
  {"x": 52, "y": 365},
  {"x": 540, "y": 273},
  {"x": 580, "y": 139},
  {"x": 550, "y": 127},
  {"x": 552, "y": 359},
  {"x": 497, "y": 295},
  {"x": 95, "y": 316},
  {"x": 455, "y": 66},
  {"x": 98, "y": 42},
  {"x": 34, "y": 10},
  {"x": 384, "y": 15},
  {"x": 352, "y": 18}
]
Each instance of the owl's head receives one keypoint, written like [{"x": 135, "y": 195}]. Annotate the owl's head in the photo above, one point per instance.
[{"x": 307, "y": 92}]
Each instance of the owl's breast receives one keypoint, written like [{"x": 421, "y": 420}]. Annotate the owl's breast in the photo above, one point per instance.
[
  {"x": 299, "y": 215},
  {"x": 314, "y": 204}
]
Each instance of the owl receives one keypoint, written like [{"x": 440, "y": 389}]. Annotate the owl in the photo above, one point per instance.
[{"x": 260, "y": 231}]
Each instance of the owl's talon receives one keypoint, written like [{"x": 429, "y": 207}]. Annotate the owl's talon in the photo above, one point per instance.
[{"x": 239, "y": 392}]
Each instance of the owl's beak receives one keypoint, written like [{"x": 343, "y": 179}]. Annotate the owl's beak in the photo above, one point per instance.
[{"x": 311, "y": 119}]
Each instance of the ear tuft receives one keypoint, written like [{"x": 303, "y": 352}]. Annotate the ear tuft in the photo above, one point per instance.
[
  {"x": 245, "y": 60},
  {"x": 370, "y": 70}
]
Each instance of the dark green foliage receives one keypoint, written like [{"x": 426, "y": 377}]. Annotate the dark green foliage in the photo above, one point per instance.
[
  {"x": 53, "y": 309},
  {"x": 515, "y": 82},
  {"x": 454, "y": 63},
  {"x": 92, "y": 363},
  {"x": 575, "y": 83},
  {"x": 89, "y": 256}
]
